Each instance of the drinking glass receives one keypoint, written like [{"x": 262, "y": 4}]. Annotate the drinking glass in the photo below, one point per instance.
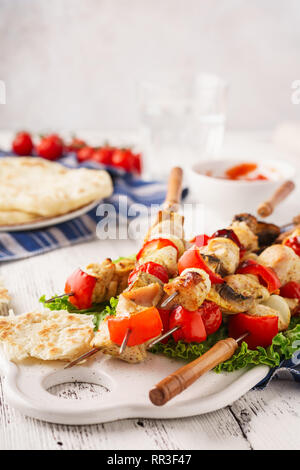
[{"x": 209, "y": 115}]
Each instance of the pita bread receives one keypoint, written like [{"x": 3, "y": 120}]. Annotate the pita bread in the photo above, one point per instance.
[
  {"x": 17, "y": 217},
  {"x": 40, "y": 187},
  {"x": 50, "y": 335},
  {"x": 4, "y": 299}
]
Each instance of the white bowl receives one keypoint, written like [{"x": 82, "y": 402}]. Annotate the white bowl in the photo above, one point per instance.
[{"x": 230, "y": 197}]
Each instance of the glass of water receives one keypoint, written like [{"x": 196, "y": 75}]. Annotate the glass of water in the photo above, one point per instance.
[
  {"x": 181, "y": 122},
  {"x": 209, "y": 115},
  {"x": 165, "y": 115}
]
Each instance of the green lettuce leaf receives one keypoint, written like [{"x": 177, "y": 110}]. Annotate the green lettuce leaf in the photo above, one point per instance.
[{"x": 99, "y": 311}]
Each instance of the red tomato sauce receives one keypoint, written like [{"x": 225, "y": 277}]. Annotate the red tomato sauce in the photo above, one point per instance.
[{"x": 242, "y": 172}]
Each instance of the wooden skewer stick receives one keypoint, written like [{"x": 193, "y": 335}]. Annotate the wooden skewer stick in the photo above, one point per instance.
[
  {"x": 266, "y": 208},
  {"x": 173, "y": 195},
  {"x": 181, "y": 379}
]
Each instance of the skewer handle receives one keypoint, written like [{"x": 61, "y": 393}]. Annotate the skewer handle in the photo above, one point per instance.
[
  {"x": 181, "y": 379},
  {"x": 174, "y": 189},
  {"x": 296, "y": 220},
  {"x": 267, "y": 207}
]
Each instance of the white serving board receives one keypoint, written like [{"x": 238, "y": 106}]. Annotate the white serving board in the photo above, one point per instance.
[{"x": 125, "y": 389}]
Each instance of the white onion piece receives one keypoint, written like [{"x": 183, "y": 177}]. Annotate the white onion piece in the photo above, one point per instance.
[{"x": 280, "y": 306}]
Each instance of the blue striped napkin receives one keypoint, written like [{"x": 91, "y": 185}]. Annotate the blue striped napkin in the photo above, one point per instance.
[
  {"x": 287, "y": 370},
  {"x": 18, "y": 245}
]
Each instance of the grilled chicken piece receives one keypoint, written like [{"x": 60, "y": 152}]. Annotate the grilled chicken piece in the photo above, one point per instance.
[
  {"x": 246, "y": 236},
  {"x": 143, "y": 279},
  {"x": 112, "y": 278},
  {"x": 266, "y": 233},
  {"x": 166, "y": 256},
  {"x": 192, "y": 286},
  {"x": 248, "y": 285},
  {"x": 228, "y": 300},
  {"x": 283, "y": 260},
  {"x": 132, "y": 354},
  {"x": 147, "y": 296},
  {"x": 226, "y": 251}
]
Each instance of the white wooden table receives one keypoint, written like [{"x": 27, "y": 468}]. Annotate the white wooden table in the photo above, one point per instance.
[{"x": 260, "y": 420}]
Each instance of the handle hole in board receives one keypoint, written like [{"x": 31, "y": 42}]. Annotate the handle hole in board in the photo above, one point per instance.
[{"x": 78, "y": 390}]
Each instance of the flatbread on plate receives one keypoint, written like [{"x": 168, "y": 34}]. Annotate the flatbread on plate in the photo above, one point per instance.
[
  {"x": 48, "y": 335},
  {"x": 40, "y": 187}
]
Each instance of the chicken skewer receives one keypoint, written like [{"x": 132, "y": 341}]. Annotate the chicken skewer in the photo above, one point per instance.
[{"x": 154, "y": 251}]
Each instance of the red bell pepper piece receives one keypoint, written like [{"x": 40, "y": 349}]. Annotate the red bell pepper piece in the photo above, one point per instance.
[
  {"x": 201, "y": 240},
  {"x": 211, "y": 316},
  {"x": 267, "y": 276},
  {"x": 152, "y": 268},
  {"x": 157, "y": 244},
  {"x": 165, "y": 318},
  {"x": 294, "y": 243},
  {"x": 291, "y": 290},
  {"x": 261, "y": 329},
  {"x": 143, "y": 326},
  {"x": 82, "y": 285},
  {"x": 193, "y": 259},
  {"x": 191, "y": 324}
]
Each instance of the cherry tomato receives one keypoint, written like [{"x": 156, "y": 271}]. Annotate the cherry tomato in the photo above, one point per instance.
[
  {"x": 152, "y": 268},
  {"x": 50, "y": 147},
  {"x": 291, "y": 290},
  {"x": 143, "y": 326},
  {"x": 211, "y": 316},
  {"x": 261, "y": 329},
  {"x": 22, "y": 144},
  {"x": 104, "y": 155},
  {"x": 137, "y": 163},
  {"x": 75, "y": 145},
  {"x": 191, "y": 324},
  {"x": 193, "y": 259},
  {"x": 267, "y": 276},
  {"x": 84, "y": 154},
  {"x": 123, "y": 158},
  {"x": 294, "y": 243},
  {"x": 82, "y": 286}
]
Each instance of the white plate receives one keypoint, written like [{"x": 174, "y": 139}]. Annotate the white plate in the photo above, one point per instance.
[
  {"x": 125, "y": 390},
  {"x": 47, "y": 222}
]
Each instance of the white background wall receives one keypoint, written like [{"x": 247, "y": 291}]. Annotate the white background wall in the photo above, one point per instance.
[{"x": 76, "y": 63}]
